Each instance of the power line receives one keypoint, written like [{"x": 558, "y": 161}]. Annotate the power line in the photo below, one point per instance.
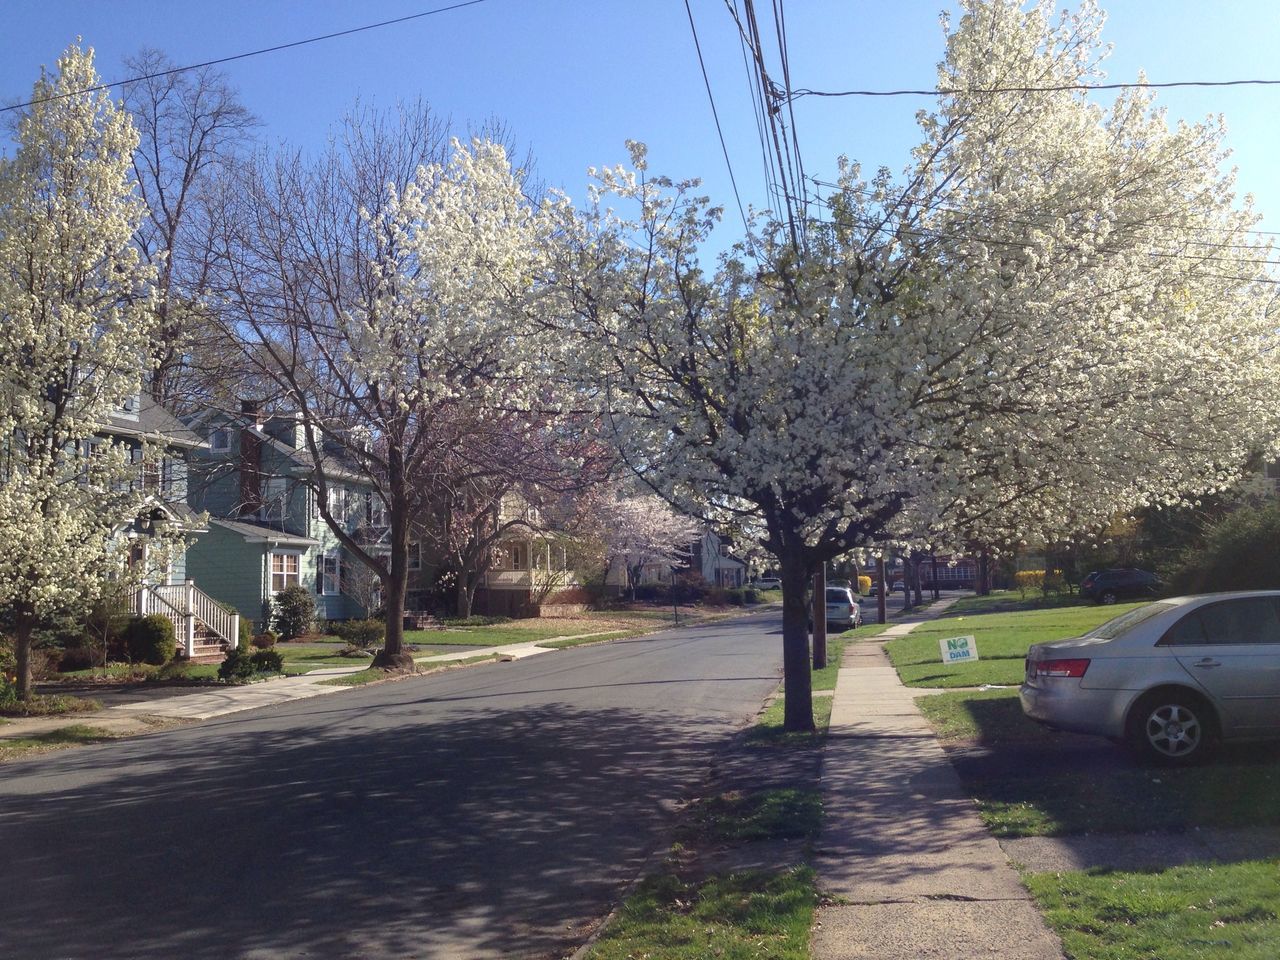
[
  {"x": 1053, "y": 88},
  {"x": 715, "y": 115},
  {"x": 950, "y": 208},
  {"x": 242, "y": 56}
]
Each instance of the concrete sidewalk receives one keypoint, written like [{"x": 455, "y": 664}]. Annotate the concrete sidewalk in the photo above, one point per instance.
[{"x": 912, "y": 869}]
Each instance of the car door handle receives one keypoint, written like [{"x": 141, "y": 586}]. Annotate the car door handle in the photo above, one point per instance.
[{"x": 1207, "y": 662}]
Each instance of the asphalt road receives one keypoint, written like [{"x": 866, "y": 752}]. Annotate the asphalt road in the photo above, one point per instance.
[{"x": 491, "y": 812}]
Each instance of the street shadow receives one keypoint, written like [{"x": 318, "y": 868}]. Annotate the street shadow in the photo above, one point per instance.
[{"x": 486, "y": 834}]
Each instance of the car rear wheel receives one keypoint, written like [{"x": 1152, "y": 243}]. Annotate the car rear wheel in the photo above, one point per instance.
[
  {"x": 1172, "y": 728},
  {"x": 1108, "y": 597}
]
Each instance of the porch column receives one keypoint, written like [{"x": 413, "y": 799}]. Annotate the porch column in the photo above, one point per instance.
[{"x": 189, "y": 619}]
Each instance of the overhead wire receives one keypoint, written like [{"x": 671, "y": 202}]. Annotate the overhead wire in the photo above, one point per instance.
[
  {"x": 243, "y": 56},
  {"x": 715, "y": 114},
  {"x": 757, "y": 102},
  {"x": 1051, "y": 88}
]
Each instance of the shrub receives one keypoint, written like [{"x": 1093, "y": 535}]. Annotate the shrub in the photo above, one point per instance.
[
  {"x": 735, "y": 596},
  {"x": 1238, "y": 553},
  {"x": 476, "y": 620},
  {"x": 237, "y": 667},
  {"x": 293, "y": 612},
  {"x": 653, "y": 593},
  {"x": 360, "y": 633},
  {"x": 715, "y": 597},
  {"x": 265, "y": 640},
  {"x": 173, "y": 670},
  {"x": 77, "y": 658},
  {"x": 1027, "y": 580},
  {"x": 267, "y": 661},
  {"x": 150, "y": 639},
  {"x": 750, "y": 595}
]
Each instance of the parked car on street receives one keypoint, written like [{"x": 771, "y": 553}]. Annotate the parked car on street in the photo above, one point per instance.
[
  {"x": 767, "y": 583},
  {"x": 1109, "y": 586},
  {"x": 842, "y": 609},
  {"x": 1171, "y": 678}
]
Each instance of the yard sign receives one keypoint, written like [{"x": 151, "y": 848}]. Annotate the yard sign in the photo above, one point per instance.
[{"x": 958, "y": 649}]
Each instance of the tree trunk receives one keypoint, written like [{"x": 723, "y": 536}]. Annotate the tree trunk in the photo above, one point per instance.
[
  {"x": 984, "y": 574},
  {"x": 797, "y": 681},
  {"x": 23, "y": 630},
  {"x": 465, "y": 594},
  {"x": 392, "y": 655}
]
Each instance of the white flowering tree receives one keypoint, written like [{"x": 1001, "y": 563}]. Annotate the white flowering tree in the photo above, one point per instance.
[
  {"x": 640, "y": 530},
  {"x": 384, "y": 290},
  {"x": 1057, "y": 312},
  {"x": 75, "y": 325}
]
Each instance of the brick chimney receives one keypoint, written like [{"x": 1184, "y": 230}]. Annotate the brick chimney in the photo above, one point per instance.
[{"x": 250, "y": 459}]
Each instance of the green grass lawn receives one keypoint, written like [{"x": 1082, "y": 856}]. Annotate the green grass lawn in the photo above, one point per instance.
[
  {"x": 1002, "y": 640},
  {"x": 1194, "y": 912},
  {"x": 1118, "y": 796},
  {"x": 753, "y": 915},
  {"x": 1006, "y": 601}
]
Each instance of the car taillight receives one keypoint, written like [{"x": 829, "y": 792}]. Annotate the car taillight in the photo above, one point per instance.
[{"x": 1061, "y": 668}]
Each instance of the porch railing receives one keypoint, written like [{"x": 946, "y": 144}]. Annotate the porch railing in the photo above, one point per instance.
[{"x": 185, "y": 605}]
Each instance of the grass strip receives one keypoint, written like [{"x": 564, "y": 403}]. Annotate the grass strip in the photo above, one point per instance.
[
  {"x": 72, "y": 736},
  {"x": 1193, "y": 912},
  {"x": 768, "y": 731},
  {"x": 753, "y": 914},
  {"x": 781, "y": 813},
  {"x": 48, "y": 705}
]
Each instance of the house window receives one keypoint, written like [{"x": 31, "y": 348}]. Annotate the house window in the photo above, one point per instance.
[
  {"x": 335, "y": 501},
  {"x": 285, "y": 571},
  {"x": 331, "y": 574},
  {"x": 415, "y": 556},
  {"x": 519, "y": 554},
  {"x": 220, "y": 440}
]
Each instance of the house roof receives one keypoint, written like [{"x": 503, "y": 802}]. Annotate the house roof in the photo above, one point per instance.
[
  {"x": 154, "y": 423},
  {"x": 257, "y": 533}
]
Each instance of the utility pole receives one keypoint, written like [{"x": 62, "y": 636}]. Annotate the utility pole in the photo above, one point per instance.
[
  {"x": 820, "y": 618},
  {"x": 884, "y": 588}
]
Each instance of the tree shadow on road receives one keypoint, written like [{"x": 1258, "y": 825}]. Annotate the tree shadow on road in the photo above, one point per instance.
[{"x": 495, "y": 833}]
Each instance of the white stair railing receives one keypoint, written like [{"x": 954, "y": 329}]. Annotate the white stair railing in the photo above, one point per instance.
[{"x": 185, "y": 604}]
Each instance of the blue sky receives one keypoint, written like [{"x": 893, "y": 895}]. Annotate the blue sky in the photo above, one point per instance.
[{"x": 575, "y": 78}]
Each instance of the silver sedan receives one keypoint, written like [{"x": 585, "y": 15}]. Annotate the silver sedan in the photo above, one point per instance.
[{"x": 1170, "y": 678}]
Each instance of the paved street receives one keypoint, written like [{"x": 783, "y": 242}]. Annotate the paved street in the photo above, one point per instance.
[{"x": 489, "y": 812}]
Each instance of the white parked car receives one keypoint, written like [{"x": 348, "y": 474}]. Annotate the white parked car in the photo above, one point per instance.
[
  {"x": 842, "y": 609},
  {"x": 767, "y": 583},
  {"x": 1171, "y": 678}
]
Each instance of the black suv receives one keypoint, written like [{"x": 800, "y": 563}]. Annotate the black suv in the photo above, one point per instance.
[{"x": 1108, "y": 586}]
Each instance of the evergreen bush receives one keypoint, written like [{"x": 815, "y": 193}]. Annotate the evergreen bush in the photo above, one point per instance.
[
  {"x": 293, "y": 612},
  {"x": 150, "y": 639}
]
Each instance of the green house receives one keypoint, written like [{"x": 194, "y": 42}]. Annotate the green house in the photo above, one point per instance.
[{"x": 255, "y": 479}]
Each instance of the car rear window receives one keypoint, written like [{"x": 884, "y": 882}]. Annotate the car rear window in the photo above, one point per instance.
[
  {"x": 1127, "y": 621},
  {"x": 837, "y": 595}
]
